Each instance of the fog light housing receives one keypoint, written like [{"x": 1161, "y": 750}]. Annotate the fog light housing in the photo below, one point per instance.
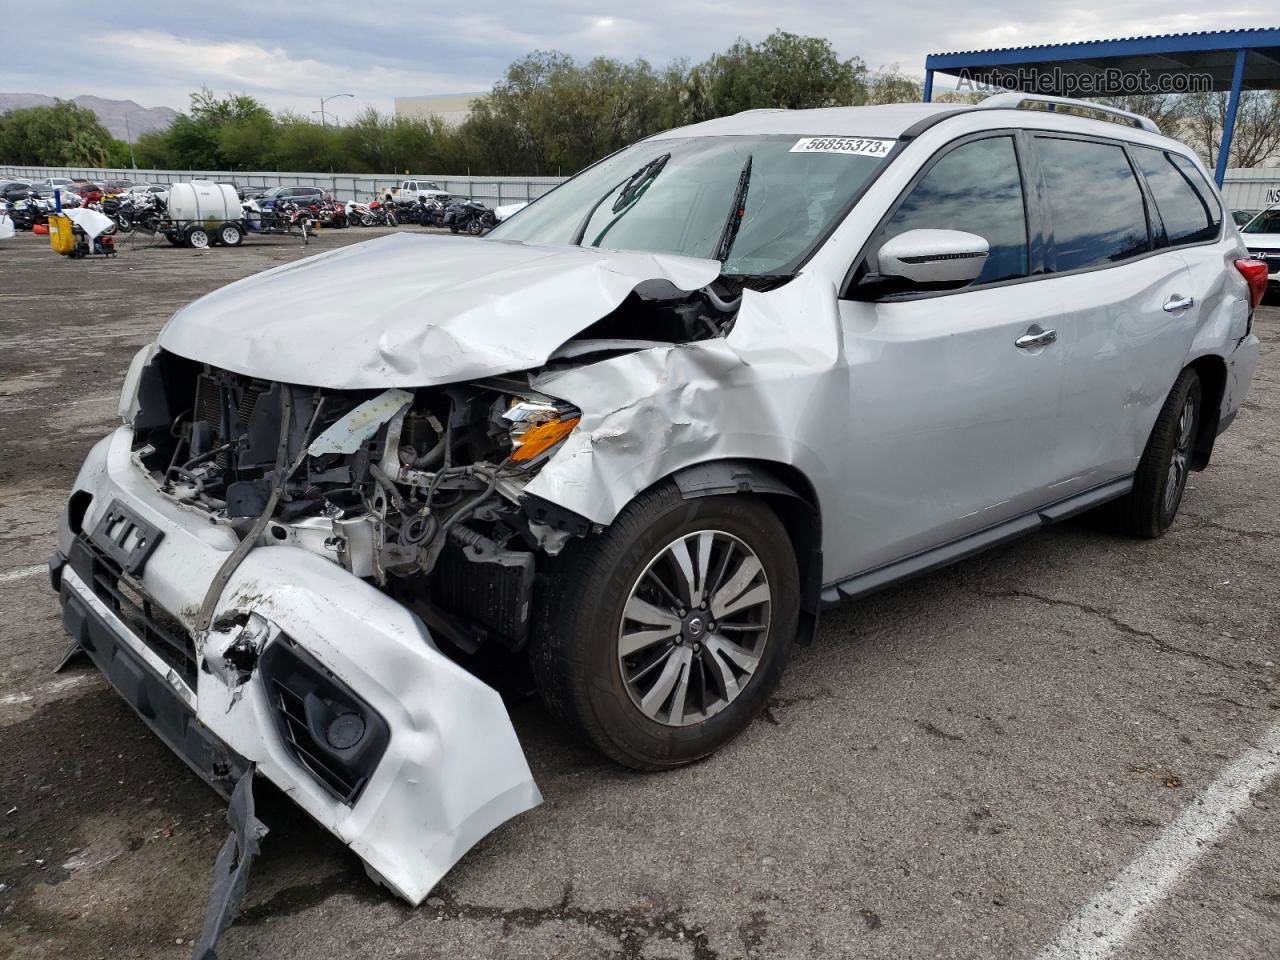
[
  {"x": 345, "y": 731},
  {"x": 328, "y": 728}
]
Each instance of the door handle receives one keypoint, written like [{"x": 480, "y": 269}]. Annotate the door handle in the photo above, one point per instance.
[
  {"x": 1040, "y": 338},
  {"x": 1178, "y": 302}
]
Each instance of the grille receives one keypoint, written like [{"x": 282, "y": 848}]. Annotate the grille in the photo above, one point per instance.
[{"x": 162, "y": 633}]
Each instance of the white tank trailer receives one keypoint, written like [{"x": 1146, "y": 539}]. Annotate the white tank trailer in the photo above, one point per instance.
[{"x": 203, "y": 213}]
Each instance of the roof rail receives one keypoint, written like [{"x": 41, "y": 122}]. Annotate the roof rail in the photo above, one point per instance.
[{"x": 1014, "y": 100}]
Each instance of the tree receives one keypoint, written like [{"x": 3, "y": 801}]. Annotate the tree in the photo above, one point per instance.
[
  {"x": 783, "y": 70},
  {"x": 60, "y": 135},
  {"x": 891, "y": 85},
  {"x": 219, "y": 133},
  {"x": 1256, "y": 137}
]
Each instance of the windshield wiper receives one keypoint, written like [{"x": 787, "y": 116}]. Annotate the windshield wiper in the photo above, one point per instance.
[
  {"x": 632, "y": 188},
  {"x": 736, "y": 212}
]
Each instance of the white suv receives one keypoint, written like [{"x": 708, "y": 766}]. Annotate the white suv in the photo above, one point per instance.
[{"x": 640, "y": 435}]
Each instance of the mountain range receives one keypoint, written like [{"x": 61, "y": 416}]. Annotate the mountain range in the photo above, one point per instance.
[{"x": 111, "y": 113}]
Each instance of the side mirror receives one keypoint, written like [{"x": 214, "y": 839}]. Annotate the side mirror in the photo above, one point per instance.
[{"x": 934, "y": 257}]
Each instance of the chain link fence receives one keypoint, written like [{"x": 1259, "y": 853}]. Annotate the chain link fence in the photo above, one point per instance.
[{"x": 494, "y": 191}]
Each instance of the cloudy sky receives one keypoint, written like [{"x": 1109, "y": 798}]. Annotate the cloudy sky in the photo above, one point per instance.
[{"x": 289, "y": 52}]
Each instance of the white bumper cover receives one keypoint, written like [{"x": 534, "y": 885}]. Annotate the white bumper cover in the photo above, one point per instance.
[{"x": 452, "y": 770}]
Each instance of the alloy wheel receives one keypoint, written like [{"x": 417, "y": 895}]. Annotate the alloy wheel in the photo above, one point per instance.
[
  {"x": 1179, "y": 463},
  {"x": 694, "y": 628}
]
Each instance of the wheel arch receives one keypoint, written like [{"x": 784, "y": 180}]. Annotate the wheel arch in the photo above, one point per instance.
[
  {"x": 791, "y": 496},
  {"x": 1212, "y": 370}
]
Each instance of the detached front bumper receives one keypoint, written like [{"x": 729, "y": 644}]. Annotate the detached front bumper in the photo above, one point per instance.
[{"x": 420, "y": 759}]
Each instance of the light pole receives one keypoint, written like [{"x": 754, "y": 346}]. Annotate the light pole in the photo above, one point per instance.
[
  {"x": 129, "y": 136},
  {"x": 324, "y": 100}
]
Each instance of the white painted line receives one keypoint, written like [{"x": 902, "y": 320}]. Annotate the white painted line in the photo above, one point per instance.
[
  {"x": 64, "y": 403},
  {"x": 21, "y": 573},
  {"x": 1102, "y": 925},
  {"x": 52, "y": 687}
]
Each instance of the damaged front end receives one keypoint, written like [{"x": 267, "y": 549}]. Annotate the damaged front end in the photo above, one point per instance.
[
  {"x": 313, "y": 580},
  {"x": 307, "y": 572},
  {"x": 293, "y": 578}
]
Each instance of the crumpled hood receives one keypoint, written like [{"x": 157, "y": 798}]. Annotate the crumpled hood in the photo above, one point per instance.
[{"x": 414, "y": 310}]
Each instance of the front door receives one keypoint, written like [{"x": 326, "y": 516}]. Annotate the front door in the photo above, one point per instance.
[{"x": 954, "y": 396}]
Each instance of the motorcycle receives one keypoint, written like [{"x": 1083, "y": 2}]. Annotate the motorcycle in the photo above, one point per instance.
[
  {"x": 470, "y": 216},
  {"x": 358, "y": 214},
  {"x": 429, "y": 211},
  {"x": 143, "y": 212},
  {"x": 382, "y": 214},
  {"x": 330, "y": 213}
]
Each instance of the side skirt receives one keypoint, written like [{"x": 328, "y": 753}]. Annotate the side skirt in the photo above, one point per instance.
[{"x": 871, "y": 581}]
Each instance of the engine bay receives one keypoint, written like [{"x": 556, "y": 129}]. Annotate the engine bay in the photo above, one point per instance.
[{"x": 418, "y": 491}]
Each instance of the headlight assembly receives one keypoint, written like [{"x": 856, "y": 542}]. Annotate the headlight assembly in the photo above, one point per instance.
[{"x": 537, "y": 427}]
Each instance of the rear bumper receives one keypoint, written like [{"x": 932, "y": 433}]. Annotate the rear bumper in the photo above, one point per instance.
[
  {"x": 1241, "y": 364},
  {"x": 450, "y": 768}
]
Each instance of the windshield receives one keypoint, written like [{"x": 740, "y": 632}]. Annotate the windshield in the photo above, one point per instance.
[
  {"x": 1268, "y": 221},
  {"x": 680, "y": 196}
]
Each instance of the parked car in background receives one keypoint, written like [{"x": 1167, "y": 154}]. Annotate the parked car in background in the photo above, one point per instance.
[
  {"x": 243, "y": 192},
  {"x": 148, "y": 189},
  {"x": 1262, "y": 236},
  {"x": 296, "y": 194},
  {"x": 638, "y": 439},
  {"x": 1241, "y": 217},
  {"x": 116, "y": 186},
  {"x": 409, "y": 190},
  {"x": 49, "y": 184}
]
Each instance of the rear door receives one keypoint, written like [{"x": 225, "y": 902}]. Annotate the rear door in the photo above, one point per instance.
[
  {"x": 1191, "y": 218},
  {"x": 1128, "y": 306}
]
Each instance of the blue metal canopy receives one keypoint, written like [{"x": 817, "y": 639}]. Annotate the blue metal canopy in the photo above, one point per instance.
[{"x": 1233, "y": 60}]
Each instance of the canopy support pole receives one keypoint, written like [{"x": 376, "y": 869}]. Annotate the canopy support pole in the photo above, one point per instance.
[{"x": 1229, "y": 124}]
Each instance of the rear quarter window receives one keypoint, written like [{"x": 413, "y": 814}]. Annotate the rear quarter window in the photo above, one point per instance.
[{"x": 1190, "y": 212}]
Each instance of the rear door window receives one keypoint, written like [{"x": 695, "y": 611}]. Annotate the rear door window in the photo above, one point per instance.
[
  {"x": 1189, "y": 211},
  {"x": 1099, "y": 217}
]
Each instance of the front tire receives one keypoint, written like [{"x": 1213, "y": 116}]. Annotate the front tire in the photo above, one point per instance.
[
  {"x": 1149, "y": 509},
  {"x": 664, "y": 636}
]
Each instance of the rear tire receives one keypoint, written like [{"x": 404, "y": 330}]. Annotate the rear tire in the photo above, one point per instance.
[
  {"x": 229, "y": 235},
  {"x": 720, "y": 673},
  {"x": 197, "y": 238},
  {"x": 1149, "y": 509}
]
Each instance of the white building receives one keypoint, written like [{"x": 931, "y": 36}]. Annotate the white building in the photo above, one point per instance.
[{"x": 452, "y": 108}]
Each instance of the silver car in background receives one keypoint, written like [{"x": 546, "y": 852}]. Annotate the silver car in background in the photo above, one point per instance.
[{"x": 638, "y": 439}]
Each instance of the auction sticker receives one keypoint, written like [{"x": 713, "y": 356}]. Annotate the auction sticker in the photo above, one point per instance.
[{"x": 853, "y": 146}]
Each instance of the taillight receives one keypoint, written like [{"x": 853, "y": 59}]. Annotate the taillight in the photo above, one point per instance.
[{"x": 1255, "y": 274}]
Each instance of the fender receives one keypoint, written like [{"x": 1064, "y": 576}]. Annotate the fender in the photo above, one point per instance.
[{"x": 797, "y": 510}]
